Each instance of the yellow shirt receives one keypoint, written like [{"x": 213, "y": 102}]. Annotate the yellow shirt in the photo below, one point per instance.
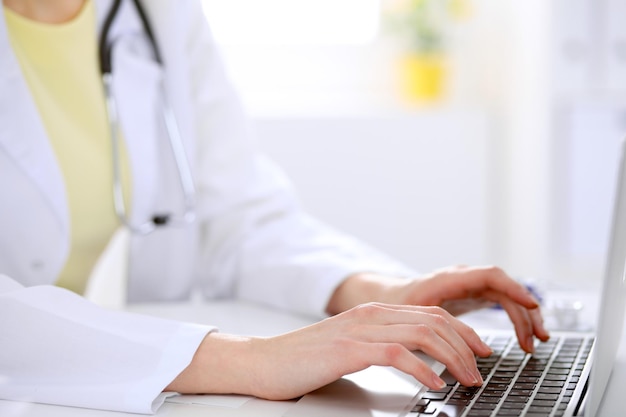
[{"x": 60, "y": 65}]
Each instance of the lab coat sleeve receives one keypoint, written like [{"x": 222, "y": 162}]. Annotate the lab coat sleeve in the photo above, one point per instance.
[
  {"x": 57, "y": 348},
  {"x": 257, "y": 243}
]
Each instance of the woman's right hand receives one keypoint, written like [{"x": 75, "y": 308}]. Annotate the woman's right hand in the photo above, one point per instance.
[{"x": 295, "y": 363}]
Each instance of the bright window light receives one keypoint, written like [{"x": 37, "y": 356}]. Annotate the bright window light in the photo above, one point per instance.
[{"x": 293, "y": 22}]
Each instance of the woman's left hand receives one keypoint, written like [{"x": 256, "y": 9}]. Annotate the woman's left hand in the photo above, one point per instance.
[{"x": 457, "y": 289}]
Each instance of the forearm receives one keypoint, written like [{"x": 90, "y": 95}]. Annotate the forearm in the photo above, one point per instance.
[
  {"x": 292, "y": 364},
  {"x": 228, "y": 364}
]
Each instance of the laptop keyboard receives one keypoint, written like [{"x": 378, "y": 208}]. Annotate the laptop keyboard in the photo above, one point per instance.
[{"x": 516, "y": 383}]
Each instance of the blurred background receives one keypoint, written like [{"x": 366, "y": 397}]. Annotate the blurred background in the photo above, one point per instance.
[{"x": 443, "y": 131}]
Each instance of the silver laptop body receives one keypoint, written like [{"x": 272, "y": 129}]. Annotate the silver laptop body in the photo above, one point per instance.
[{"x": 565, "y": 377}]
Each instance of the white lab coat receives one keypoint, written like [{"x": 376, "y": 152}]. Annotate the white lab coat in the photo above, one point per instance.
[{"x": 251, "y": 240}]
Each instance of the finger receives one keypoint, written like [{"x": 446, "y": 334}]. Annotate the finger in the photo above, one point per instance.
[
  {"x": 468, "y": 335},
  {"x": 522, "y": 322},
  {"x": 463, "y": 306},
  {"x": 388, "y": 314},
  {"x": 396, "y": 355},
  {"x": 476, "y": 280},
  {"x": 539, "y": 329},
  {"x": 498, "y": 280},
  {"x": 449, "y": 349},
  {"x": 431, "y": 330},
  {"x": 451, "y": 355},
  {"x": 472, "y": 283},
  {"x": 435, "y": 336},
  {"x": 527, "y": 322}
]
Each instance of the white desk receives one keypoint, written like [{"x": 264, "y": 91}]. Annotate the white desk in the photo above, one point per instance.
[{"x": 243, "y": 318}]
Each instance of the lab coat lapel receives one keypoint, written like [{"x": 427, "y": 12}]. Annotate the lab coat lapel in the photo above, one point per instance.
[{"x": 22, "y": 135}]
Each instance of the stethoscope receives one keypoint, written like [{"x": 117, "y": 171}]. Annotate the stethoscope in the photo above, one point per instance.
[{"x": 178, "y": 151}]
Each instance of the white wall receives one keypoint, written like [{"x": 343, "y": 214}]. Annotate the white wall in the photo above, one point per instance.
[{"x": 414, "y": 184}]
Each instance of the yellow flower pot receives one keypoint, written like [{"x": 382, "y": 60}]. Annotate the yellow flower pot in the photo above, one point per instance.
[{"x": 422, "y": 77}]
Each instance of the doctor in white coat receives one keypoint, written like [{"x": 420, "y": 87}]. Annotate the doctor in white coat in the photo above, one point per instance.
[{"x": 249, "y": 240}]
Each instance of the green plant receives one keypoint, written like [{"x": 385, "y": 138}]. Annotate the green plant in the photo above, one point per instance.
[{"x": 421, "y": 25}]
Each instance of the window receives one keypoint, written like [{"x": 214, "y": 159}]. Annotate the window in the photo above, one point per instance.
[
  {"x": 298, "y": 56},
  {"x": 293, "y": 22}
]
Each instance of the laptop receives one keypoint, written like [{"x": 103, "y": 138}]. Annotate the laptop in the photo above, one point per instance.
[{"x": 566, "y": 376}]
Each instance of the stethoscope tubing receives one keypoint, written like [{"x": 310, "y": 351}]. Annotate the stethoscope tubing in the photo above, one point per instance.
[{"x": 173, "y": 132}]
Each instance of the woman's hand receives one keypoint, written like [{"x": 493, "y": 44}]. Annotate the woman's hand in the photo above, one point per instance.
[
  {"x": 295, "y": 363},
  {"x": 457, "y": 289}
]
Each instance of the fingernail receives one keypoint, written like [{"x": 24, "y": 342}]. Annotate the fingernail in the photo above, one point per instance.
[
  {"x": 530, "y": 343},
  {"x": 532, "y": 297},
  {"x": 471, "y": 376},
  {"x": 479, "y": 377},
  {"x": 438, "y": 382}
]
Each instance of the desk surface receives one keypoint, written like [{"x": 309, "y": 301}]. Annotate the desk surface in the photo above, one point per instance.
[{"x": 243, "y": 318}]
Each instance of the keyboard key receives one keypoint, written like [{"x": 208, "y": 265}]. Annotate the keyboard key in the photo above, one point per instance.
[
  {"x": 547, "y": 383},
  {"x": 513, "y": 405},
  {"x": 435, "y": 395},
  {"x": 451, "y": 410},
  {"x": 484, "y": 406},
  {"x": 448, "y": 378},
  {"x": 445, "y": 390},
  {"x": 561, "y": 365},
  {"x": 558, "y": 371},
  {"x": 548, "y": 390},
  {"x": 535, "y": 366},
  {"x": 511, "y": 362},
  {"x": 430, "y": 410},
  {"x": 524, "y": 385},
  {"x": 553, "y": 377},
  {"x": 539, "y": 410},
  {"x": 508, "y": 412},
  {"x": 488, "y": 399},
  {"x": 531, "y": 374},
  {"x": 521, "y": 392},
  {"x": 504, "y": 374},
  {"x": 529, "y": 379},
  {"x": 543, "y": 403},
  {"x": 459, "y": 401},
  {"x": 500, "y": 380},
  {"x": 516, "y": 399},
  {"x": 496, "y": 387},
  {"x": 508, "y": 368},
  {"x": 493, "y": 394},
  {"x": 552, "y": 397},
  {"x": 479, "y": 413},
  {"x": 463, "y": 388}
]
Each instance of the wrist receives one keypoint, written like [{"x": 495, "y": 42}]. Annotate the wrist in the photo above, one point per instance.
[
  {"x": 363, "y": 288},
  {"x": 222, "y": 364}
]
